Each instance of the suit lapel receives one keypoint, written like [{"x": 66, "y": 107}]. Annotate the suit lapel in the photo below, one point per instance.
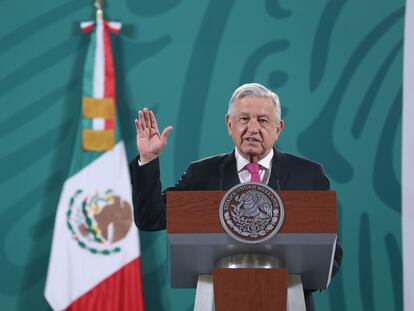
[
  {"x": 280, "y": 171},
  {"x": 278, "y": 176},
  {"x": 230, "y": 178}
]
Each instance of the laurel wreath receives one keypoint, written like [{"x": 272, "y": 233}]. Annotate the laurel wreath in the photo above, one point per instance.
[{"x": 89, "y": 228}]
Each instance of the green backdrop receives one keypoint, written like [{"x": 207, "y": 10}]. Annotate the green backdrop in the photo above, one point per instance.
[{"x": 337, "y": 66}]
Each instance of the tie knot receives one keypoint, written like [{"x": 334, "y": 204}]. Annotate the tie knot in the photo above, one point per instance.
[{"x": 253, "y": 168}]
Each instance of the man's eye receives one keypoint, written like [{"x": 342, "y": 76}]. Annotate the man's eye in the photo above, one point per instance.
[
  {"x": 244, "y": 119},
  {"x": 264, "y": 122}
]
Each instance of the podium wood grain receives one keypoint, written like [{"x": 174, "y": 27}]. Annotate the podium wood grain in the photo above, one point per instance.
[
  {"x": 250, "y": 289},
  {"x": 305, "y": 212}
]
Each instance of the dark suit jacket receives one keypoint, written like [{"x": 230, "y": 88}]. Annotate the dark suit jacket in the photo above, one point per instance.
[
  {"x": 219, "y": 172},
  {"x": 289, "y": 172}
]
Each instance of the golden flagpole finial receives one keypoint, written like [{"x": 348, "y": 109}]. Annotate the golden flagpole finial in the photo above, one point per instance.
[{"x": 99, "y": 9}]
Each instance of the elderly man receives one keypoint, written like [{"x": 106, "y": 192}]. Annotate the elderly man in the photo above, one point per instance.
[{"x": 254, "y": 124}]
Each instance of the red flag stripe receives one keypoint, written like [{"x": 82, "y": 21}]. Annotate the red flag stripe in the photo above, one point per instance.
[
  {"x": 109, "y": 64},
  {"x": 88, "y": 28},
  {"x": 121, "y": 291},
  {"x": 109, "y": 124}
]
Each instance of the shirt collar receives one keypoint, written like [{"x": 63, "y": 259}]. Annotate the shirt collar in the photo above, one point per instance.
[{"x": 241, "y": 161}]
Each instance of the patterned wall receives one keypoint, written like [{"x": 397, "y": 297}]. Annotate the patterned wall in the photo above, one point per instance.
[{"x": 337, "y": 66}]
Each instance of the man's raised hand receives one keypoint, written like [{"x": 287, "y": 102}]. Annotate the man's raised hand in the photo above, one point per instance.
[{"x": 150, "y": 142}]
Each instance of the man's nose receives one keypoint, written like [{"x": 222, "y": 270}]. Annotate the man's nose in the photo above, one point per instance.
[{"x": 253, "y": 126}]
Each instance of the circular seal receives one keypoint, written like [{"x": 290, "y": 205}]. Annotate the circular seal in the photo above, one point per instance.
[
  {"x": 251, "y": 212},
  {"x": 98, "y": 222}
]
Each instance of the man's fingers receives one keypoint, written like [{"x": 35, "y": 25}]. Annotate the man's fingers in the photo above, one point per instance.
[
  {"x": 147, "y": 122},
  {"x": 154, "y": 124},
  {"x": 141, "y": 119},
  {"x": 137, "y": 125},
  {"x": 147, "y": 118},
  {"x": 166, "y": 132}
]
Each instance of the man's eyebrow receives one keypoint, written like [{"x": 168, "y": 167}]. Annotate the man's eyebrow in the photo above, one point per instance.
[{"x": 247, "y": 114}]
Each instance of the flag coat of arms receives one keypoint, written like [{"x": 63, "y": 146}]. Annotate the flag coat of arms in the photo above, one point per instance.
[{"x": 95, "y": 258}]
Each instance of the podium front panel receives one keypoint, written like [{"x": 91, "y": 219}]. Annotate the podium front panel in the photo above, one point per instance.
[
  {"x": 305, "y": 243},
  {"x": 310, "y": 255}
]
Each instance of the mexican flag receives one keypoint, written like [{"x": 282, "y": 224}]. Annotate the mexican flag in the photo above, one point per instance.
[
  {"x": 408, "y": 159},
  {"x": 95, "y": 258}
]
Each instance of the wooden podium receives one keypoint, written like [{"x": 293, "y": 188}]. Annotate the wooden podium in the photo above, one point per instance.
[{"x": 305, "y": 246}]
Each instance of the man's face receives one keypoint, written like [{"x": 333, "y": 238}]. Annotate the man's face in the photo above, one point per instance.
[{"x": 252, "y": 126}]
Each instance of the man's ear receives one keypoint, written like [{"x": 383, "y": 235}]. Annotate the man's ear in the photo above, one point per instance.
[
  {"x": 279, "y": 127},
  {"x": 228, "y": 123}
]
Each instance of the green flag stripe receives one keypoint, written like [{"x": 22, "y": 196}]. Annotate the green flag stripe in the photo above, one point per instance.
[
  {"x": 88, "y": 69},
  {"x": 87, "y": 123},
  {"x": 80, "y": 157}
]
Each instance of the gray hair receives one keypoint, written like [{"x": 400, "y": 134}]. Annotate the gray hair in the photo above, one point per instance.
[{"x": 255, "y": 89}]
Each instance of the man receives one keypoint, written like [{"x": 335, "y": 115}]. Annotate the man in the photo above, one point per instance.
[{"x": 254, "y": 124}]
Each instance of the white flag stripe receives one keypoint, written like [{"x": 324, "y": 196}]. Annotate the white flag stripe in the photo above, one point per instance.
[
  {"x": 69, "y": 261},
  {"x": 408, "y": 159},
  {"x": 115, "y": 25},
  {"x": 86, "y": 24},
  {"x": 98, "y": 124}
]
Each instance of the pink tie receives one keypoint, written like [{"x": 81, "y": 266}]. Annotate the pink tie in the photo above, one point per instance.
[{"x": 253, "y": 168}]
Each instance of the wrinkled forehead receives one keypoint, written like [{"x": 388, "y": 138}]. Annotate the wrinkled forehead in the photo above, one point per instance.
[{"x": 254, "y": 106}]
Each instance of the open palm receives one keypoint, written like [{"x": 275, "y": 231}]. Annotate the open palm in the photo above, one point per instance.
[{"x": 150, "y": 142}]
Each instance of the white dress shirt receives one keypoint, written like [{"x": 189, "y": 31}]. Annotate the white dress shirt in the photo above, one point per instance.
[{"x": 265, "y": 167}]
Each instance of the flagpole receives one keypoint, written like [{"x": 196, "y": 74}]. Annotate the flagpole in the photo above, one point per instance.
[{"x": 99, "y": 9}]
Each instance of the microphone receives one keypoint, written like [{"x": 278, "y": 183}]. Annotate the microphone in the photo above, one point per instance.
[
  {"x": 277, "y": 183},
  {"x": 221, "y": 174}
]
